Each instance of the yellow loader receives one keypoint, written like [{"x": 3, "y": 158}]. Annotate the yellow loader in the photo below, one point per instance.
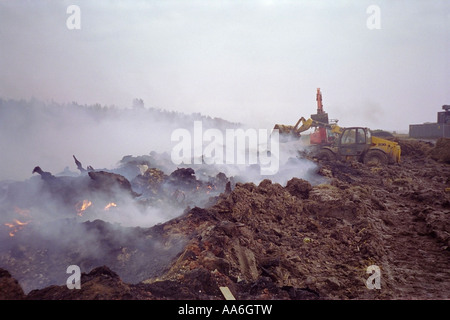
[{"x": 356, "y": 143}]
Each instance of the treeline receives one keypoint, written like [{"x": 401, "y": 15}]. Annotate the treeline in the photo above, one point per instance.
[{"x": 23, "y": 111}]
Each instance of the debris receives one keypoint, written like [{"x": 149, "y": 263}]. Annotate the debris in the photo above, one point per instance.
[
  {"x": 107, "y": 181},
  {"x": 299, "y": 188},
  {"x": 227, "y": 293},
  {"x": 261, "y": 241},
  {"x": 79, "y": 165},
  {"x": 307, "y": 240},
  {"x": 44, "y": 174}
]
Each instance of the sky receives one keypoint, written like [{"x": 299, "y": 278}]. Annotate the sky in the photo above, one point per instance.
[{"x": 257, "y": 62}]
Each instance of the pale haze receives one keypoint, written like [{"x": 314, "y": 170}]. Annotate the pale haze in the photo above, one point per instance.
[{"x": 254, "y": 62}]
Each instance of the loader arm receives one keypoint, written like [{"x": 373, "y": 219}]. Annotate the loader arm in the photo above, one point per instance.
[
  {"x": 305, "y": 125},
  {"x": 294, "y": 130},
  {"x": 310, "y": 123}
]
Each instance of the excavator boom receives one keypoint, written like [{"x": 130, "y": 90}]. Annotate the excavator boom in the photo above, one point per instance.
[{"x": 318, "y": 121}]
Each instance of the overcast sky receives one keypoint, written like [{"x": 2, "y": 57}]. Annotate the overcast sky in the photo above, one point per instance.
[{"x": 257, "y": 62}]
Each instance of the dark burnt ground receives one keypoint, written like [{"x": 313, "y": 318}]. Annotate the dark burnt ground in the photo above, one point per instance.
[{"x": 267, "y": 241}]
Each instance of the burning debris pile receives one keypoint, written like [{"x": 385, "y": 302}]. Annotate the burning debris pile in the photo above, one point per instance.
[
  {"x": 98, "y": 217},
  {"x": 262, "y": 240}
]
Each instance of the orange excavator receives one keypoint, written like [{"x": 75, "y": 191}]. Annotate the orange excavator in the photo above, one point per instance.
[
  {"x": 324, "y": 131},
  {"x": 320, "y": 134}
]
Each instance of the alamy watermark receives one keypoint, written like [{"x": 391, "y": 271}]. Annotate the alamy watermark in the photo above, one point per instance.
[
  {"x": 73, "y": 22},
  {"x": 373, "y": 22},
  {"x": 74, "y": 280},
  {"x": 234, "y": 147},
  {"x": 374, "y": 281}
]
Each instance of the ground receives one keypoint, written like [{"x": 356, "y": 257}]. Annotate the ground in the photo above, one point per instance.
[{"x": 301, "y": 241}]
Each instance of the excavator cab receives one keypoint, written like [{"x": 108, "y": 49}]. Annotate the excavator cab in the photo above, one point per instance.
[
  {"x": 354, "y": 142},
  {"x": 322, "y": 136},
  {"x": 319, "y": 136}
]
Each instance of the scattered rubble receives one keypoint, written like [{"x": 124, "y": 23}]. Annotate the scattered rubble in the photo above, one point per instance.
[{"x": 269, "y": 241}]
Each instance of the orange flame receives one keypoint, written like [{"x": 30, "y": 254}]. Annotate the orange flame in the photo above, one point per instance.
[
  {"x": 16, "y": 226},
  {"x": 109, "y": 205},
  {"x": 82, "y": 206}
]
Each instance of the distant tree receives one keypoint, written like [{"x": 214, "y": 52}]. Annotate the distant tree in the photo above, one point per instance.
[{"x": 138, "y": 104}]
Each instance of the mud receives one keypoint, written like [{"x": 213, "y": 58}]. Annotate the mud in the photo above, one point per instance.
[{"x": 300, "y": 241}]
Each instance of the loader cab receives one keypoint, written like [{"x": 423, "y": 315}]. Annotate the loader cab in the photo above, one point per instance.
[{"x": 354, "y": 141}]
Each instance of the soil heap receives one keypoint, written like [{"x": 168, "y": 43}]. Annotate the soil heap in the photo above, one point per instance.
[{"x": 300, "y": 241}]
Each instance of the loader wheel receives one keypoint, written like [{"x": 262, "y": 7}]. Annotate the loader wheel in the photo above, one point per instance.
[
  {"x": 375, "y": 158},
  {"x": 326, "y": 154}
]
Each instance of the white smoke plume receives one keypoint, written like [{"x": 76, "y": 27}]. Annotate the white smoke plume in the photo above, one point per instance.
[{"x": 68, "y": 215}]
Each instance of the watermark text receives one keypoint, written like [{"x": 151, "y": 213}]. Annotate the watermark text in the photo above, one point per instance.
[{"x": 236, "y": 146}]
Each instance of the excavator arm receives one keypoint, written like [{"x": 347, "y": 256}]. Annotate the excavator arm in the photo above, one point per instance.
[
  {"x": 305, "y": 125},
  {"x": 318, "y": 121}
]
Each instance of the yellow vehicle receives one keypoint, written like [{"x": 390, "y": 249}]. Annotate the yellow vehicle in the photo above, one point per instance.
[{"x": 336, "y": 143}]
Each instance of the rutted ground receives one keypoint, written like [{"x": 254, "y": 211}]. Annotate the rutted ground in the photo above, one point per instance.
[{"x": 300, "y": 241}]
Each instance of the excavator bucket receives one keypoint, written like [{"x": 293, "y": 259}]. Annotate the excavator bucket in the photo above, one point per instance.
[{"x": 286, "y": 130}]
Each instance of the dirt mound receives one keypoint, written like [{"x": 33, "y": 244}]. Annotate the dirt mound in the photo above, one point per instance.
[
  {"x": 418, "y": 149},
  {"x": 441, "y": 152},
  {"x": 100, "y": 284},
  {"x": 321, "y": 239},
  {"x": 299, "y": 241},
  {"x": 9, "y": 287},
  {"x": 414, "y": 148}
]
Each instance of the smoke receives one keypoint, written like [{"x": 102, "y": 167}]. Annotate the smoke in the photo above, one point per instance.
[
  {"x": 48, "y": 134},
  {"x": 290, "y": 164},
  {"x": 46, "y": 226},
  {"x": 109, "y": 216},
  {"x": 122, "y": 140}
]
